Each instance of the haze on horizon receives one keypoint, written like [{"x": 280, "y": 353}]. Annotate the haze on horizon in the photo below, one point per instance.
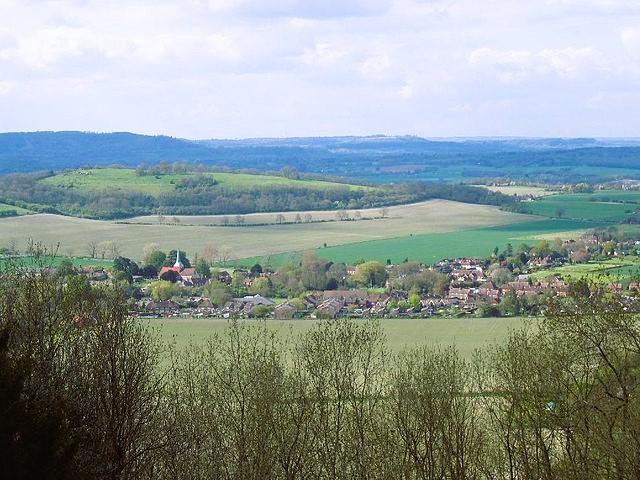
[{"x": 283, "y": 68}]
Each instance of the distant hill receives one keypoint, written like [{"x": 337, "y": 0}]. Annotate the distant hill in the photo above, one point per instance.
[{"x": 374, "y": 158}]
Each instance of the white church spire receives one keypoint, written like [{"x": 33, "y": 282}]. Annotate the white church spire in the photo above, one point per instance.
[{"x": 178, "y": 263}]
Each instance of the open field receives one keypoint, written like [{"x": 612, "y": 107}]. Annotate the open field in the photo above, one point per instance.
[
  {"x": 598, "y": 206},
  {"x": 128, "y": 180},
  {"x": 520, "y": 190},
  {"x": 51, "y": 261},
  {"x": 467, "y": 334},
  {"x": 431, "y": 216},
  {"x": 430, "y": 248},
  {"x": 20, "y": 211},
  {"x": 614, "y": 270},
  {"x": 75, "y": 234}
]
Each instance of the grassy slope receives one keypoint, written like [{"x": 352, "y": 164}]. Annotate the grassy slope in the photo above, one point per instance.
[
  {"x": 433, "y": 247},
  {"x": 467, "y": 334},
  {"x": 52, "y": 261},
  {"x": 520, "y": 190},
  {"x": 127, "y": 180},
  {"x": 423, "y": 217},
  {"x": 21, "y": 211},
  {"x": 583, "y": 206},
  {"x": 74, "y": 234},
  {"x": 614, "y": 270}
]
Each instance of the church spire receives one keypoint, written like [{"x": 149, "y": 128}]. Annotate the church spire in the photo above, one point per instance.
[{"x": 178, "y": 263}]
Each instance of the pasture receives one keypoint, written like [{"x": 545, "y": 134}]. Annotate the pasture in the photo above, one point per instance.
[
  {"x": 613, "y": 270},
  {"x": 467, "y": 334},
  {"x": 74, "y": 235},
  {"x": 4, "y": 207},
  {"x": 126, "y": 179},
  {"x": 520, "y": 190},
  {"x": 27, "y": 261},
  {"x": 602, "y": 206},
  {"x": 432, "y": 247}
]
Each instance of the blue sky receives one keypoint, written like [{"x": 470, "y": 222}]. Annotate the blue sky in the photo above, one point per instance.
[{"x": 250, "y": 68}]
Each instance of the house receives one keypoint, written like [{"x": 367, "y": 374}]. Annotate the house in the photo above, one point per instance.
[
  {"x": 225, "y": 277},
  {"x": 348, "y": 297},
  {"x": 163, "y": 308},
  {"x": 285, "y": 311},
  {"x": 489, "y": 290},
  {"x": 255, "y": 300},
  {"x": 191, "y": 278},
  {"x": 462, "y": 294},
  {"x": 330, "y": 308}
]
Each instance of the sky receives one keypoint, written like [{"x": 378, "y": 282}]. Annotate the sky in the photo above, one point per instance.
[{"x": 279, "y": 68}]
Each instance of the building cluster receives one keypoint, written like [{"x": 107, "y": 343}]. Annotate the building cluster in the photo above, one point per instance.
[{"x": 470, "y": 284}]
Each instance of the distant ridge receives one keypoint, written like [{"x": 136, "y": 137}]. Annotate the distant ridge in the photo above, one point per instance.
[{"x": 375, "y": 158}]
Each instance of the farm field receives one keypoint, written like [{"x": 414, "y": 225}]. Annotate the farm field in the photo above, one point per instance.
[
  {"x": 430, "y": 248},
  {"x": 435, "y": 215},
  {"x": 614, "y": 270},
  {"x": 598, "y": 206},
  {"x": 467, "y": 334},
  {"x": 75, "y": 234},
  {"x": 520, "y": 190},
  {"x": 51, "y": 261},
  {"x": 20, "y": 211},
  {"x": 125, "y": 179}
]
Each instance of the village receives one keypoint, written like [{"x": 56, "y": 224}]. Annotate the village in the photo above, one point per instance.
[{"x": 507, "y": 283}]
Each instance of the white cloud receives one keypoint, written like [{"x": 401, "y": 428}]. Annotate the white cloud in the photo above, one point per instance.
[
  {"x": 6, "y": 88},
  {"x": 312, "y": 67},
  {"x": 301, "y": 8},
  {"x": 570, "y": 62},
  {"x": 48, "y": 46},
  {"x": 631, "y": 40},
  {"x": 513, "y": 65}
]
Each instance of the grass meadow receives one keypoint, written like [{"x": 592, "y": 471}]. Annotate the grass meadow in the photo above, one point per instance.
[
  {"x": 75, "y": 234},
  {"x": 598, "y": 206},
  {"x": 467, "y": 334},
  {"x": 430, "y": 248},
  {"x": 20, "y": 211},
  {"x": 613, "y": 270},
  {"x": 128, "y": 180},
  {"x": 520, "y": 190}
]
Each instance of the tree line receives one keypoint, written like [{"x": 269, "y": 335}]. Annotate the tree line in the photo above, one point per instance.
[
  {"x": 202, "y": 195},
  {"x": 86, "y": 391}
]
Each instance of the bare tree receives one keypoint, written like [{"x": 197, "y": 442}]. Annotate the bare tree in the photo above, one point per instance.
[
  {"x": 92, "y": 249},
  {"x": 225, "y": 253},
  {"x": 342, "y": 215},
  {"x": 148, "y": 249},
  {"x": 209, "y": 253}
]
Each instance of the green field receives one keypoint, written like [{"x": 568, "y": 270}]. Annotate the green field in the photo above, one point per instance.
[
  {"x": 520, "y": 190},
  {"x": 124, "y": 179},
  {"x": 467, "y": 334},
  {"x": 51, "y": 261},
  {"x": 614, "y": 270},
  {"x": 430, "y": 248},
  {"x": 4, "y": 207},
  {"x": 598, "y": 206},
  {"x": 75, "y": 234}
]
